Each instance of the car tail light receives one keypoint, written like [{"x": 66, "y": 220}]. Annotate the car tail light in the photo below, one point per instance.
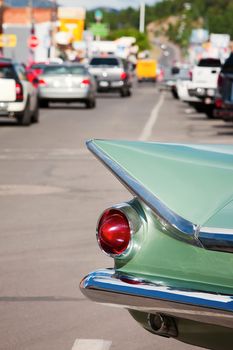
[
  {"x": 113, "y": 232},
  {"x": 86, "y": 82},
  {"x": 116, "y": 229},
  {"x": 19, "y": 92},
  {"x": 124, "y": 75},
  {"x": 190, "y": 75},
  {"x": 42, "y": 82},
  {"x": 218, "y": 103}
]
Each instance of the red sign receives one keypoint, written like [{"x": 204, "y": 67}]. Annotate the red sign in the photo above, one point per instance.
[{"x": 33, "y": 42}]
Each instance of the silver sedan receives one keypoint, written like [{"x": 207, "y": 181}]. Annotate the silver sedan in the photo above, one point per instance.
[{"x": 67, "y": 82}]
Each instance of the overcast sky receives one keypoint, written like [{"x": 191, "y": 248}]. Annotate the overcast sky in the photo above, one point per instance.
[{"x": 98, "y": 3}]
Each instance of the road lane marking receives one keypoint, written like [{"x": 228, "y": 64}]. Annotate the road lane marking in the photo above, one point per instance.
[
  {"x": 40, "y": 153},
  {"x": 146, "y": 132},
  {"x": 91, "y": 344},
  {"x": 14, "y": 190}
]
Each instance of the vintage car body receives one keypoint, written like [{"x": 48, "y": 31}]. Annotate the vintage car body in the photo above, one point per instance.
[{"x": 175, "y": 277}]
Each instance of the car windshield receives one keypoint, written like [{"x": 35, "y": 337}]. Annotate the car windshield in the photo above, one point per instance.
[
  {"x": 104, "y": 61},
  {"x": 7, "y": 71},
  {"x": 210, "y": 62},
  {"x": 62, "y": 70}
]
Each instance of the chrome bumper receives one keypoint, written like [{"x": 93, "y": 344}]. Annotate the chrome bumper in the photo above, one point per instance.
[{"x": 109, "y": 287}]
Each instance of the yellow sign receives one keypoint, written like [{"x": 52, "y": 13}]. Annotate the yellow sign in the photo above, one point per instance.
[
  {"x": 73, "y": 26},
  {"x": 8, "y": 40}
]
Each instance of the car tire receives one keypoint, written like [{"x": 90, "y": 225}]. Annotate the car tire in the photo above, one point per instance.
[
  {"x": 43, "y": 103},
  {"x": 129, "y": 93},
  {"x": 210, "y": 114},
  {"x": 175, "y": 94},
  {"x": 91, "y": 103},
  {"x": 35, "y": 115},
  {"x": 25, "y": 118},
  {"x": 124, "y": 92}
]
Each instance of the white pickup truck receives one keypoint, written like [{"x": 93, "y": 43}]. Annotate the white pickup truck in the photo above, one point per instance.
[
  {"x": 204, "y": 80},
  {"x": 18, "y": 96}
]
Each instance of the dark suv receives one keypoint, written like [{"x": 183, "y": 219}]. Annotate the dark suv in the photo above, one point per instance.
[
  {"x": 111, "y": 74},
  {"x": 224, "y": 97}
]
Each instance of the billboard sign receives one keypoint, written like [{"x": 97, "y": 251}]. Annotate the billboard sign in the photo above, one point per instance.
[
  {"x": 72, "y": 21},
  {"x": 99, "y": 29},
  {"x": 8, "y": 40},
  {"x": 220, "y": 40},
  {"x": 199, "y": 36}
]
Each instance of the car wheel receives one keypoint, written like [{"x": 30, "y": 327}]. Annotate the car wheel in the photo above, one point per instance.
[
  {"x": 44, "y": 103},
  {"x": 91, "y": 103},
  {"x": 129, "y": 93},
  {"x": 210, "y": 114},
  {"x": 35, "y": 115},
  {"x": 124, "y": 92},
  {"x": 25, "y": 118},
  {"x": 175, "y": 94}
]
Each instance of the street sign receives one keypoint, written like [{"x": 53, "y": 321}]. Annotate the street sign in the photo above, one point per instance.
[
  {"x": 33, "y": 42},
  {"x": 99, "y": 29},
  {"x": 8, "y": 40},
  {"x": 98, "y": 15}
]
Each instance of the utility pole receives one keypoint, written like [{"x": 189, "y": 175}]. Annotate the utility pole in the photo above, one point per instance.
[
  {"x": 53, "y": 29},
  {"x": 1, "y": 23},
  {"x": 32, "y": 26},
  {"x": 31, "y": 17},
  {"x": 142, "y": 18}
]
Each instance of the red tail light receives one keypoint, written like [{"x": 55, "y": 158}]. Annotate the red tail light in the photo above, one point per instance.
[
  {"x": 86, "y": 82},
  {"x": 124, "y": 75},
  {"x": 190, "y": 75},
  {"x": 113, "y": 232},
  {"x": 42, "y": 82},
  {"x": 19, "y": 92},
  {"x": 218, "y": 103}
]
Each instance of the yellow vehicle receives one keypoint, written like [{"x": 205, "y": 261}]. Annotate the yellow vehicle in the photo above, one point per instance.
[{"x": 146, "y": 70}]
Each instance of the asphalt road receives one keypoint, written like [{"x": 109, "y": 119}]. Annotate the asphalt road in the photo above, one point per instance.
[{"x": 51, "y": 194}]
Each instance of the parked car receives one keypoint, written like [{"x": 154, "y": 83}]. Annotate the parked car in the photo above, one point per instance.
[
  {"x": 224, "y": 97},
  {"x": 175, "y": 75},
  {"x": 19, "y": 97},
  {"x": 172, "y": 243},
  {"x": 204, "y": 80},
  {"x": 67, "y": 82},
  {"x": 181, "y": 89},
  {"x": 112, "y": 74}
]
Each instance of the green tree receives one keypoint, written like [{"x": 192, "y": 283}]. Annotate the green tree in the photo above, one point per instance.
[{"x": 141, "y": 38}]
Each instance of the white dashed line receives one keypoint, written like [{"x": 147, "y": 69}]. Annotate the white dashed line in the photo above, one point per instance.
[
  {"x": 146, "y": 132},
  {"x": 40, "y": 153},
  {"x": 91, "y": 344}
]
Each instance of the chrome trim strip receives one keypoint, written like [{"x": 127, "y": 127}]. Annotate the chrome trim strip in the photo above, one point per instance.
[
  {"x": 108, "y": 287},
  {"x": 219, "y": 239},
  {"x": 215, "y": 230},
  {"x": 180, "y": 227}
]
